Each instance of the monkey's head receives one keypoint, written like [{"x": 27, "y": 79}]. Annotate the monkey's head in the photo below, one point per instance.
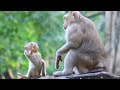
[
  {"x": 70, "y": 17},
  {"x": 31, "y": 47}
]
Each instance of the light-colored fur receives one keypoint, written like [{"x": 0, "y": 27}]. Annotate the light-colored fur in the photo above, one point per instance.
[
  {"x": 84, "y": 48},
  {"x": 36, "y": 63}
]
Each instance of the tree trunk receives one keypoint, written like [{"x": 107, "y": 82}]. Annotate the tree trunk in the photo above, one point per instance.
[{"x": 112, "y": 32}]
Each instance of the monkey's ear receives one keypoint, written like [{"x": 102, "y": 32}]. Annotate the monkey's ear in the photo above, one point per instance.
[
  {"x": 35, "y": 46},
  {"x": 75, "y": 14}
]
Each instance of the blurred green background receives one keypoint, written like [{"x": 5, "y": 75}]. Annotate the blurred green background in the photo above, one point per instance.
[{"x": 42, "y": 27}]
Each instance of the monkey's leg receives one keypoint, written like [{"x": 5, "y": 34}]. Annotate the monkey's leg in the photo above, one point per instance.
[
  {"x": 97, "y": 70},
  {"x": 75, "y": 71},
  {"x": 43, "y": 69},
  {"x": 24, "y": 77},
  {"x": 69, "y": 64},
  {"x": 30, "y": 73},
  {"x": 36, "y": 77},
  {"x": 36, "y": 74}
]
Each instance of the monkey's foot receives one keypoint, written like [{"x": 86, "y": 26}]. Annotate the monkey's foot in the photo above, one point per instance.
[
  {"x": 22, "y": 76},
  {"x": 58, "y": 73},
  {"x": 36, "y": 77},
  {"x": 61, "y": 73},
  {"x": 43, "y": 74}
]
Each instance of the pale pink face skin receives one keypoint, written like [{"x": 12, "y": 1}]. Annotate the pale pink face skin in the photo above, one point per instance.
[
  {"x": 64, "y": 25},
  {"x": 30, "y": 47},
  {"x": 27, "y": 49},
  {"x": 67, "y": 21},
  {"x": 69, "y": 18}
]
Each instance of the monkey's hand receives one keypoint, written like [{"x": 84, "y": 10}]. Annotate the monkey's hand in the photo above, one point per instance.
[
  {"x": 27, "y": 52},
  {"x": 22, "y": 76},
  {"x": 59, "y": 58}
]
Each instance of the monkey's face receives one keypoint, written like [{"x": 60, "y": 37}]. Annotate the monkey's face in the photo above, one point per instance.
[
  {"x": 31, "y": 47},
  {"x": 28, "y": 46},
  {"x": 69, "y": 18}
]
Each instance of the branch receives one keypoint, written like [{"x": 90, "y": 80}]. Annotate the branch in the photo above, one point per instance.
[{"x": 96, "y": 14}]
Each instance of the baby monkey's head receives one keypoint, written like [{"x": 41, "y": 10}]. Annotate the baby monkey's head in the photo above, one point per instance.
[{"x": 31, "y": 46}]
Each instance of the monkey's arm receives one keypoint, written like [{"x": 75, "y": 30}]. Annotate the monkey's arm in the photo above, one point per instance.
[
  {"x": 64, "y": 49},
  {"x": 36, "y": 59},
  {"x": 35, "y": 62},
  {"x": 27, "y": 53},
  {"x": 74, "y": 41}
]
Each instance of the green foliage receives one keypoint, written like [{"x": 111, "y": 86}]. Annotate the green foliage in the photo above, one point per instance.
[{"x": 20, "y": 27}]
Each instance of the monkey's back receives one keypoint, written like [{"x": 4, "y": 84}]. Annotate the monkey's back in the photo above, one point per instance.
[
  {"x": 92, "y": 43},
  {"x": 91, "y": 50}
]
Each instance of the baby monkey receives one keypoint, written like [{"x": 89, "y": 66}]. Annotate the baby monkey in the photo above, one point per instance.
[{"x": 36, "y": 63}]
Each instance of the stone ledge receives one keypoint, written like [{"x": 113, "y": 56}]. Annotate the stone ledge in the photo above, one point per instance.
[{"x": 98, "y": 75}]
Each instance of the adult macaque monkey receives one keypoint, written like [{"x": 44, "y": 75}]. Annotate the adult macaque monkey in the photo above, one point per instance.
[
  {"x": 36, "y": 63},
  {"x": 84, "y": 48}
]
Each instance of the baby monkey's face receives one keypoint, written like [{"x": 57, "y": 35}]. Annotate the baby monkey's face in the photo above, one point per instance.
[
  {"x": 28, "y": 46},
  {"x": 31, "y": 47}
]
